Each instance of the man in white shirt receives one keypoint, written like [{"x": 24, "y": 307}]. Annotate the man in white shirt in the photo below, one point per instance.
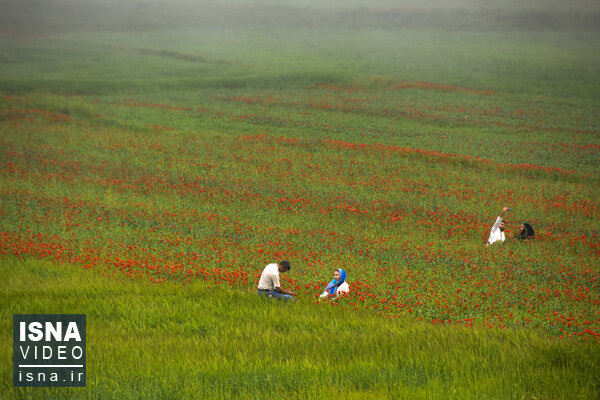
[
  {"x": 497, "y": 232},
  {"x": 269, "y": 284}
]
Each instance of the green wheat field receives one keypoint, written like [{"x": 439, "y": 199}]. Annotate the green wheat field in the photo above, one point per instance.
[{"x": 155, "y": 156}]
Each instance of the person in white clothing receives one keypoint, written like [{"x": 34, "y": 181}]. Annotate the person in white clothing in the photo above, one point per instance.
[
  {"x": 338, "y": 285},
  {"x": 269, "y": 284},
  {"x": 497, "y": 232}
]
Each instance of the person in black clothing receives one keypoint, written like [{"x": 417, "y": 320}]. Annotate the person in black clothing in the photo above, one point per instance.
[{"x": 526, "y": 232}]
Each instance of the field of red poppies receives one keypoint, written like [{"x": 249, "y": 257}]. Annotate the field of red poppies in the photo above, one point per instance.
[
  {"x": 155, "y": 156},
  {"x": 400, "y": 193}
]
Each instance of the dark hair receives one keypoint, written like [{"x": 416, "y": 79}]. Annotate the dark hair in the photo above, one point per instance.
[
  {"x": 527, "y": 232},
  {"x": 285, "y": 264}
]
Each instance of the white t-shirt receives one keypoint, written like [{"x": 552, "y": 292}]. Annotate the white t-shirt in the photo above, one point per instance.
[
  {"x": 343, "y": 288},
  {"x": 496, "y": 234},
  {"x": 269, "y": 279}
]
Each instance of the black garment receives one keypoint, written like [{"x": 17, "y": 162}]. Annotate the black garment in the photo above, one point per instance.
[{"x": 526, "y": 233}]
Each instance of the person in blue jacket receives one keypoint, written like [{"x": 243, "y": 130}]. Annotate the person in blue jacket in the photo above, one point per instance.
[{"x": 338, "y": 285}]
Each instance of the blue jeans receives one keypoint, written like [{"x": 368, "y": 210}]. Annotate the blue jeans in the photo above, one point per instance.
[{"x": 273, "y": 294}]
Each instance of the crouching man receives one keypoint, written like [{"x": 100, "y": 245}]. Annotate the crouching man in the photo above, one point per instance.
[{"x": 269, "y": 284}]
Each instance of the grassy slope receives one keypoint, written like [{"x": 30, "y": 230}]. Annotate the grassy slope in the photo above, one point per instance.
[
  {"x": 201, "y": 342},
  {"x": 194, "y": 341}
]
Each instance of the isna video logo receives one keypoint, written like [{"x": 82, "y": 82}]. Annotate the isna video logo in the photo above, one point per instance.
[{"x": 49, "y": 350}]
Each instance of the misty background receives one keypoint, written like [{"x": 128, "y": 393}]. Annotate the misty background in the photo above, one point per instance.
[
  {"x": 88, "y": 47},
  {"x": 19, "y": 17}
]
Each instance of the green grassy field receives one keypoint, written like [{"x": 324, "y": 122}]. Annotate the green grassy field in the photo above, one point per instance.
[
  {"x": 154, "y": 158},
  {"x": 165, "y": 341}
]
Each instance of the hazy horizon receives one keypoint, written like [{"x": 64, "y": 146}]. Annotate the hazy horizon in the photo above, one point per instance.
[{"x": 64, "y": 16}]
